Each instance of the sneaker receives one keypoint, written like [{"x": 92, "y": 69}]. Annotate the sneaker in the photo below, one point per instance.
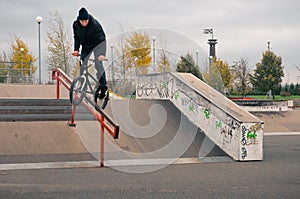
[
  {"x": 97, "y": 89},
  {"x": 103, "y": 92}
]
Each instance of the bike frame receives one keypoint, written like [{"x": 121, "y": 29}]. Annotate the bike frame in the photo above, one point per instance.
[
  {"x": 86, "y": 75},
  {"x": 86, "y": 87}
]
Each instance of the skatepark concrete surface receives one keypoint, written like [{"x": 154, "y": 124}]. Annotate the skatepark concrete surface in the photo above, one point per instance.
[
  {"x": 34, "y": 157},
  {"x": 31, "y": 91},
  {"x": 44, "y": 141},
  {"x": 288, "y": 121},
  {"x": 55, "y": 141}
]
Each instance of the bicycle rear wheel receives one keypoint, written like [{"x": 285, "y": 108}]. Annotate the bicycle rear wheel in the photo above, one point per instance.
[
  {"x": 101, "y": 103},
  {"x": 77, "y": 90}
]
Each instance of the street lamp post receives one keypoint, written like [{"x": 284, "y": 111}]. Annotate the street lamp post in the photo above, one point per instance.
[
  {"x": 197, "y": 61},
  {"x": 153, "y": 39},
  {"x": 112, "y": 65},
  {"x": 22, "y": 72},
  {"x": 39, "y": 19},
  {"x": 269, "y": 44}
]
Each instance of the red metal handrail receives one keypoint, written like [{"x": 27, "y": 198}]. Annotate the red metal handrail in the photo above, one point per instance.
[
  {"x": 61, "y": 77},
  {"x": 113, "y": 128}
]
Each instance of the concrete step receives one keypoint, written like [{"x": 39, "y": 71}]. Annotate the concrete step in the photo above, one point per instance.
[
  {"x": 34, "y": 102},
  {"x": 35, "y": 109},
  {"x": 40, "y": 110},
  {"x": 44, "y": 117}
]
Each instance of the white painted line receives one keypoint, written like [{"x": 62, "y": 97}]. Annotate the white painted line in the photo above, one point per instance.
[
  {"x": 112, "y": 163},
  {"x": 187, "y": 161},
  {"x": 216, "y": 159},
  {"x": 139, "y": 162},
  {"x": 280, "y": 133},
  {"x": 49, "y": 165}
]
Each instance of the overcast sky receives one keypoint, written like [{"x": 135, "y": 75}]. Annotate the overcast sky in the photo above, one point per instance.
[{"x": 242, "y": 27}]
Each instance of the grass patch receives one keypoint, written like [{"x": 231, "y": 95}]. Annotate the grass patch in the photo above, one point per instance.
[{"x": 277, "y": 97}]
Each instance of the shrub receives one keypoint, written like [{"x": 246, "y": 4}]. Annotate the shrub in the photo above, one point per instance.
[{"x": 285, "y": 93}]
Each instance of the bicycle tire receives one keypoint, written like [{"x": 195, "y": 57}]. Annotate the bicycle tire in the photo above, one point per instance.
[
  {"x": 105, "y": 100},
  {"x": 79, "y": 89},
  {"x": 102, "y": 102}
]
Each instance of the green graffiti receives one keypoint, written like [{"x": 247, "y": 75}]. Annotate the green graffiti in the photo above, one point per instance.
[
  {"x": 191, "y": 108},
  {"x": 218, "y": 124},
  {"x": 164, "y": 85},
  {"x": 251, "y": 135},
  {"x": 206, "y": 113},
  {"x": 176, "y": 96}
]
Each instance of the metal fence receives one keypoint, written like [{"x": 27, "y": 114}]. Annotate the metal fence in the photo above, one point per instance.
[{"x": 10, "y": 74}]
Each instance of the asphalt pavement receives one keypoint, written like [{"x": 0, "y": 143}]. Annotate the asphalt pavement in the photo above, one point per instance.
[{"x": 277, "y": 176}]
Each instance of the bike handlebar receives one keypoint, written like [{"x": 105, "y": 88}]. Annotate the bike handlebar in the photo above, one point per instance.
[{"x": 105, "y": 59}]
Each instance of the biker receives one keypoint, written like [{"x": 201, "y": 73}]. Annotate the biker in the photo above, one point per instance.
[{"x": 89, "y": 33}]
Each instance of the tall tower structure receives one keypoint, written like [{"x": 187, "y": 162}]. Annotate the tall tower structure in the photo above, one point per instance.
[
  {"x": 212, "y": 47},
  {"x": 212, "y": 43}
]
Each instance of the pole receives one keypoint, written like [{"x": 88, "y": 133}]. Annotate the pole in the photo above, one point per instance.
[
  {"x": 112, "y": 67},
  {"x": 101, "y": 141},
  {"x": 40, "y": 72},
  {"x": 153, "y": 38},
  {"x": 30, "y": 75},
  {"x": 197, "y": 61},
  {"x": 268, "y": 42}
]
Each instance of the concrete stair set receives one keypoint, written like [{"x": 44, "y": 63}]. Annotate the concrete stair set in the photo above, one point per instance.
[{"x": 40, "y": 110}]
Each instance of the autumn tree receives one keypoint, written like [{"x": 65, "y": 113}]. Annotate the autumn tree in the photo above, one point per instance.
[
  {"x": 59, "y": 45},
  {"x": 219, "y": 75},
  {"x": 23, "y": 61},
  {"x": 137, "y": 51},
  {"x": 268, "y": 73},
  {"x": 213, "y": 78},
  {"x": 4, "y": 69},
  {"x": 163, "y": 58},
  {"x": 187, "y": 64},
  {"x": 163, "y": 64},
  {"x": 241, "y": 75}
]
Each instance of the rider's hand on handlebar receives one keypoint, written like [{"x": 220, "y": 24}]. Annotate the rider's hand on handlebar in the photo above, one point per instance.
[
  {"x": 75, "y": 53},
  {"x": 102, "y": 58}
]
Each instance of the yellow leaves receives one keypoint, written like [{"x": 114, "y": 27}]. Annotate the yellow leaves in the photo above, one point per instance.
[
  {"x": 219, "y": 69},
  {"x": 22, "y": 56},
  {"x": 138, "y": 49}
]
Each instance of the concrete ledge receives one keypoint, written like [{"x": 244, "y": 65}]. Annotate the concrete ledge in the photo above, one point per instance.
[
  {"x": 263, "y": 105},
  {"x": 233, "y": 129}
]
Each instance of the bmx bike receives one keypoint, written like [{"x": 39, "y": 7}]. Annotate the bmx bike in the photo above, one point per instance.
[{"x": 87, "y": 86}]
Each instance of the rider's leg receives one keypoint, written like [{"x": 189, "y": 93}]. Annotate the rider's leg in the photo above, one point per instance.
[
  {"x": 101, "y": 76},
  {"x": 84, "y": 59}
]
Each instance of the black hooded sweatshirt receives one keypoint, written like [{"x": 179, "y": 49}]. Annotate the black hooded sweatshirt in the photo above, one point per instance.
[{"x": 88, "y": 37}]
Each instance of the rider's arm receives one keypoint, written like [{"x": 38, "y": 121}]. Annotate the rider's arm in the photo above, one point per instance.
[
  {"x": 102, "y": 58},
  {"x": 101, "y": 37},
  {"x": 75, "y": 53},
  {"x": 76, "y": 38}
]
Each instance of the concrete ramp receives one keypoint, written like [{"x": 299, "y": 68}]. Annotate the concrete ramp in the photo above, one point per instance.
[
  {"x": 153, "y": 135},
  {"x": 234, "y": 130},
  {"x": 157, "y": 129}
]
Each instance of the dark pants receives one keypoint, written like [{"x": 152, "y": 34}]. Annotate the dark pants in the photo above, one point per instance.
[{"x": 98, "y": 50}]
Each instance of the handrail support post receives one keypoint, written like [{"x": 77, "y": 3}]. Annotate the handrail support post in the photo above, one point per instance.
[
  {"x": 57, "y": 87},
  {"x": 101, "y": 141},
  {"x": 72, "y": 122}
]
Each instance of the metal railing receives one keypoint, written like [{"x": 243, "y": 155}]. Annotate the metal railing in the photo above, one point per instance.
[
  {"x": 16, "y": 72},
  {"x": 100, "y": 115}
]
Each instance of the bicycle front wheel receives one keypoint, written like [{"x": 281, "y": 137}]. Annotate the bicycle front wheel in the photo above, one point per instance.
[{"x": 77, "y": 90}]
